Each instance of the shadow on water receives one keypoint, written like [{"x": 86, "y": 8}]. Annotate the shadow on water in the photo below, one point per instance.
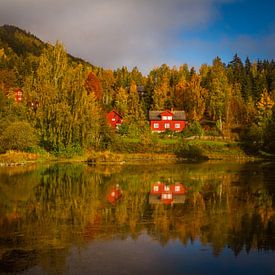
[{"x": 46, "y": 211}]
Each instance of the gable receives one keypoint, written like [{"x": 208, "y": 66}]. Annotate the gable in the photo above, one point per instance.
[
  {"x": 114, "y": 114},
  {"x": 167, "y": 113}
]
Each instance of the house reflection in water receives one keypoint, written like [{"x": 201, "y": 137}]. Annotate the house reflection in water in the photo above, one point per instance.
[
  {"x": 167, "y": 194},
  {"x": 114, "y": 194}
]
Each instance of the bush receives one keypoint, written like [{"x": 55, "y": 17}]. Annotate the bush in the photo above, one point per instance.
[
  {"x": 252, "y": 138},
  {"x": 190, "y": 151},
  {"x": 19, "y": 135},
  {"x": 196, "y": 129},
  {"x": 68, "y": 151}
]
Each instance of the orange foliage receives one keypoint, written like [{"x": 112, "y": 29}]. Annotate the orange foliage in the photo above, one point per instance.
[{"x": 92, "y": 84}]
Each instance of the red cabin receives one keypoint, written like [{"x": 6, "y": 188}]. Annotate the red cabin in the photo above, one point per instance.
[
  {"x": 161, "y": 121},
  {"x": 18, "y": 95},
  {"x": 114, "y": 119}
]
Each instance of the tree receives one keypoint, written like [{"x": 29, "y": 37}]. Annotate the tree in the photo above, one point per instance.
[
  {"x": 219, "y": 89},
  {"x": 264, "y": 106},
  {"x": 19, "y": 135},
  {"x": 121, "y": 99},
  {"x": 93, "y": 85},
  {"x": 66, "y": 115},
  {"x": 162, "y": 95},
  {"x": 180, "y": 90},
  {"x": 269, "y": 137},
  {"x": 194, "y": 98},
  {"x": 135, "y": 117}
]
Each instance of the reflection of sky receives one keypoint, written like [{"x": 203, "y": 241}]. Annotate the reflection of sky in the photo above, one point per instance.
[{"x": 145, "y": 256}]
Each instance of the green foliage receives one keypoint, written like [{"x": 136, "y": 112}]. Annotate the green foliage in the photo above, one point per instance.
[
  {"x": 196, "y": 129},
  {"x": 269, "y": 136},
  {"x": 66, "y": 113},
  {"x": 190, "y": 151},
  {"x": 252, "y": 138},
  {"x": 235, "y": 95},
  {"x": 68, "y": 151},
  {"x": 18, "y": 136}
]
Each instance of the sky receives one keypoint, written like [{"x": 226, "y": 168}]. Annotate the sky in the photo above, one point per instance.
[{"x": 149, "y": 33}]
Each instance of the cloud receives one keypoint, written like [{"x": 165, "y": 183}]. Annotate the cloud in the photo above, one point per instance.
[{"x": 111, "y": 33}]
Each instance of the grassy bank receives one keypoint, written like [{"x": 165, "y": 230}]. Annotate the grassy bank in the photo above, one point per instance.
[
  {"x": 12, "y": 158},
  {"x": 169, "y": 150}
]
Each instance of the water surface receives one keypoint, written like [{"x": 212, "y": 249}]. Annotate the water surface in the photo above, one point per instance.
[{"x": 79, "y": 219}]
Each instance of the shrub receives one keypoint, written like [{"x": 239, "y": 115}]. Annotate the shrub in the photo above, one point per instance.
[
  {"x": 196, "y": 129},
  {"x": 190, "y": 151},
  {"x": 68, "y": 151},
  {"x": 252, "y": 138},
  {"x": 19, "y": 135}
]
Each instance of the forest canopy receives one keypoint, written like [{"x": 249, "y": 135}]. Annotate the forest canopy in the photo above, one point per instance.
[{"x": 66, "y": 99}]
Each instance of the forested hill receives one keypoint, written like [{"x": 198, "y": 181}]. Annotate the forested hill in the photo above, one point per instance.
[
  {"x": 66, "y": 99},
  {"x": 21, "y": 43}
]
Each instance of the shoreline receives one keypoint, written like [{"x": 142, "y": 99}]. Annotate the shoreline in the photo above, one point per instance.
[{"x": 106, "y": 158}]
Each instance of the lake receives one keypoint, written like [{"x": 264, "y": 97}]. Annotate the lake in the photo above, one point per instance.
[{"x": 191, "y": 218}]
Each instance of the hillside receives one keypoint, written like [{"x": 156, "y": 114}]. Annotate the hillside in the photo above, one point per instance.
[{"x": 22, "y": 43}]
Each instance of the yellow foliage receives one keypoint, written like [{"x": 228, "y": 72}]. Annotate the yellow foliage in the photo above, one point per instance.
[
  {"x": 2, "y": 53},
  {"x": 265, "y": 103}
]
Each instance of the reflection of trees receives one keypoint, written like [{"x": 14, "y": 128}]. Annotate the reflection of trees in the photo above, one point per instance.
[{"x": 64, "y": 204}]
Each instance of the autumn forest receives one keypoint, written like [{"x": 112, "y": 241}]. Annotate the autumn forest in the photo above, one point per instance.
[{"x": 65, "y": 99}]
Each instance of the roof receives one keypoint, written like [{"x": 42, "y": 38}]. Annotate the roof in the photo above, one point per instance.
[
  {"x": 114, "y": 112},
  {"x": 156, "y": 115}
]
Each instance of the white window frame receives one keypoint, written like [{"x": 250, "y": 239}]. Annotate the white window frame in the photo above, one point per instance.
[
  {"x": 167, "y": 125},
  {"x": 169, "y": 118},
  {"x": 177, "y": 126},
  {"x": 164, "y": 117},
  {"x": 156, "y": 125},
  {"x": 177, "y": 188}
]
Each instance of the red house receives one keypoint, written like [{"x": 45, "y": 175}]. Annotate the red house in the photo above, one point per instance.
[
  {"x": 167, "y": 194},
  {"x": 161, "y": 121},
  {"x": 114, "y": 119}
]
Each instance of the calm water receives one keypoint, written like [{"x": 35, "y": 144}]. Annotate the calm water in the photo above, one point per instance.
[{"x": 78, "y": 219}]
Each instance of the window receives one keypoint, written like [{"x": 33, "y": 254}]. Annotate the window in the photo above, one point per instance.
[
  {"x": 113, "y": 119},
  {"x": 156, "y": 125},
  {"x": 164, "y": 118},
  {"x": 177, "y": 188},
  {"x": 156, "y": 188},
  {"x": 167, "y": 196},
  {"x": 169, "y": 118},
  {"x": 167, "y": 125},
  {"x": 177, "y": 125},
  {"x": 166, "y": 188}
]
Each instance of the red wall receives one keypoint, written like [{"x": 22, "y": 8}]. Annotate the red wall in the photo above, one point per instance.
[
  {"x": 114, "y": 119},
  {"x": 172, "y": 125}
]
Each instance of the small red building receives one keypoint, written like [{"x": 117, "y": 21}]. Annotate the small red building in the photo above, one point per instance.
[
  {"x": 18, "y": 95},
  {"x": 114, "y": 119},
  {"x": 161, "y": 121}
]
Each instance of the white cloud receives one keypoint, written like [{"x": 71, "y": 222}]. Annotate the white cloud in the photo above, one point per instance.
[{"x": 113, "y": 33}]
